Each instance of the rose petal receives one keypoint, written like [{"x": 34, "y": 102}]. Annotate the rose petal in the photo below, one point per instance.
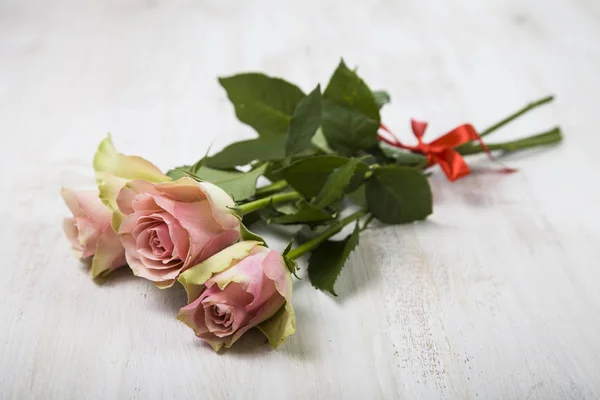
[
  {"x": 249, "y": 273},
  {"x": 88, "y": 235},
  {"x": 129, "y": 192},
  {"x": 268, "y": 310},
  {"x": 162, "y": 232},
  {"x": 193, "y": 316},
  {"x": 107, "y": 159},
  {"x": 275, "y": 269},
  {"x": 196, "y": 219},
  {"x": 72, "y": 233},
  {"x": 283, "y": 323},
  {"x": 162, "y": 278},
  {"x": 110, "y": 254},
  {"x": 193, "y": 279},
  {"x": 218, "y": 243},
  {"x": 221, "y": 205},
  {"x": 184, "y": 189}
]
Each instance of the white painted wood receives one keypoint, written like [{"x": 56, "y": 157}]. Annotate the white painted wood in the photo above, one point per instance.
[{"x": 497, "y": 296}]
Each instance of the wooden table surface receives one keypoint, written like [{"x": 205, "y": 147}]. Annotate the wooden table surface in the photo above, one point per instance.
[{"x": 496, "y": 296}]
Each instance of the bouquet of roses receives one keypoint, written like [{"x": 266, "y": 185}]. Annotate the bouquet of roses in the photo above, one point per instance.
[{"x": 331, "y": 162}]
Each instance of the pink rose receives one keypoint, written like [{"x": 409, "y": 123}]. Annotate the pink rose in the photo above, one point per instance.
[
  {"x": 90, "y": 232},
  {"x": 244, "y": 286},
  {"x": 114, "y": 170},
  {"x": 171, "y": 226}
]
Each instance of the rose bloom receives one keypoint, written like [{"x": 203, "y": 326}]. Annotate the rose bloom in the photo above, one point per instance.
[
  {"x": 114, "y": 170},
  {"x": 90, "y": 233},
  {"x": 242, "y": 287},
  {"x": 171, "y": 226}
]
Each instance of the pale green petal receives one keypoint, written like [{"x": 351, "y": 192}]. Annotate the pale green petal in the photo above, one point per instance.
[
  {"x": 114, "y": 170},
  {"x": 107, "y": 159},
  {"x": 280, "y": 326},
  {"x": 108, "y": 188},
  {"x": 109, "y": 254},
  {"x": 283, "y": 323},
  {"x": 193, "y": 279}
]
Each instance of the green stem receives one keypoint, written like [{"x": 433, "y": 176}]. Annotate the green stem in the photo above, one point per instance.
[
  {"x": 329, "y": 232},
  {"x": 265, "y": 201},
  {"x": 516, "y": 115},
  {"x": 274, "y": 187},
  {"x": 546, "y": 138},
  {"x": 510, "y": 118}
]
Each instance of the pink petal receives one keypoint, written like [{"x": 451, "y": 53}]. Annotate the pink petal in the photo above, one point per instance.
[
  {"x": 72, "y": 233},
  {"x": 87, "y": 204},
  {"x": 193, "y": 316},
  {"x": 144, "y": 222},
  {"x": 110, "y": 253},
  {"x": 164, "y": 277},
  {"x": 162, "y": 232},
  {"x": 181, "y": 192},
  {"x": 70, "y": 200},
  {"x": 264, "y": 313},
  {"x": 88, "y": 235},
  {"x": 145, "y": 202},
  {"x": 233, "y": 294},
  {"x": 218, "y": 243},
  {"x": 232, "y": 298},
  {"x": 249, "y": 273},
  {"x": 128, "y": 193},
  {"x": 93, "y": 208},
  {"x": 179, "y": 236},
  {"x": 275, "y": 269},
  {"x": 220, "y": 204}
]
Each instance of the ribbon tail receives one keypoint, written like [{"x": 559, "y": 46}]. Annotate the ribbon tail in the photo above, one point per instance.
[
  {"x": 504, "y": 169},
  {"x": 452, "y": 163},
  {"x": 395, "y": 142}
]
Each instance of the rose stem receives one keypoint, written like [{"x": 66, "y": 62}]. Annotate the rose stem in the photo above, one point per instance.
[
  {"x": 516, "y": 115},
  {"x": 265, "y": 201},
  {"x": 332, "y": 230},
  {"x": 552, "y": 136},
  {"x": 274, "y": 187},
  {"x": 506, "y": 120}
]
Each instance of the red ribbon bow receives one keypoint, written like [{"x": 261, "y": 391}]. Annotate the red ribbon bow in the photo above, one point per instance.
[{"x": 441, "y": 151}]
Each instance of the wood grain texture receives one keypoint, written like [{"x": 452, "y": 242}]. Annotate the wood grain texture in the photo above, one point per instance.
[{"x": 496, "y": 296}]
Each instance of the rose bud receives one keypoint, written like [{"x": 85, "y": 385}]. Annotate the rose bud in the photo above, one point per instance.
[
  {"x": 90, "y": 233},
  {"x": 244, "y": 286},
  {"x": 114, "y": 170},
  {"x": 171, "y": 226}
]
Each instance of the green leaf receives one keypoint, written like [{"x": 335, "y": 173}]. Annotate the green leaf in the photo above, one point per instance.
[
  {"x": 328, "y": 259},
  {"x": 320, "y": 142},
  {"x": 381, "y": 98},
  {"x": 309, "y": 175},
  {"x": 335, "y": 185},
  {"x": 266, "y": 148},
  {"x": 239, "y": 185},
  {"x": 265, "y": 103},
  {"x": 304, "y": 213},
  {"x": 247, "y": 234},
  {"x": 187, "y": 170},
  {"x": 178, "y": 172},
  {"x": 305, "y": 122},
  {"x": 397, "y": 195},
  {"x": 359, "y": 197},
  {"x": 350, "y": 113}
]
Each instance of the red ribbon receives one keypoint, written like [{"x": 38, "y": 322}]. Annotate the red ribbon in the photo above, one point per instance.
[{"x": 441, "y": 151}]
